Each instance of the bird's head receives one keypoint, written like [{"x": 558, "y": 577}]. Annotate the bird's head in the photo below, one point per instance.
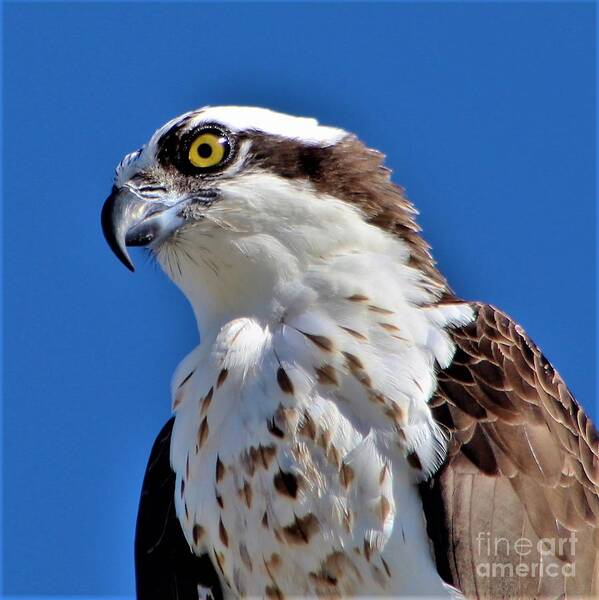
[{"x": 235, "y": 202}]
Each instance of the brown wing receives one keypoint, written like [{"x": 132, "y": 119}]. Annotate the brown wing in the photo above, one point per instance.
[{"x": 514, "y": 512}]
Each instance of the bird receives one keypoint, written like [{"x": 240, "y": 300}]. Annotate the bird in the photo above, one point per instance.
[{"x": 347, "y": 426}]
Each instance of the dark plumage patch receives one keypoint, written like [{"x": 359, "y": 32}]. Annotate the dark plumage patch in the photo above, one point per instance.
[
  {"x": 253, "y": 457},
  {"x": 347, "y": 520},
  {"x": 206, "y": 401},
  {"x": 384, "y": 508},
  {"x": 333, "y": 456},
  {"x": 324, "y": 438},
  {"x": 198, "y": 533},
  {"x": 346, "y": 475},
  {"x": 286, "y": 418},
  {"x": 394, "y": 412},
  {"x": 326, "y": 375},
  {"x": 249, "y": 463},
  {"x": 310, "y": 161},
  {"x": 358, "y": 298},
  {"x": 245, "y": 557},
  {"x": 367, "y": 549},
  {"x": 185, "y": 380},
  {"x": 222, "y": 376},
  {"x": 274, "y": 429},
  {"x": 386, "y": 566},
  {"x": 353, "y": 333},
  {"x": 220, "y": 470},
  {"x": 169, "y": 145},
  {"x": 287, "y": 158},
  {"x": 324, "y": 343},
  {"x": 323, "y": 578},
  {"x": 222, "y": 533},
  {"x": 178, "y": 399},
  {"x": 260, "y": 456},
  {"x": 352, "y": 362},
  {"x": 389, "y": 327},
  {"x": 306, "y": 427},
  {"x": 220, "y": 560},
  {"x": 284, "y": 381},
  {"x": 266, "y": 454},
  {"x": 286, "y": 484},
  {"x": 378, "y": 309},
  {"x": 179, "y": 394},
  {"x": 203, "y": 432},
  {"x": 301, "y": 530},
  {"x": 273, "y": 593},
  {"x": 354, "y": 365},
  {"x": 414, "y": 461},
  {"x": 479, "y": 450},
  {"x": 272, "y": 564},
  {"x": 247, "y": 494}
]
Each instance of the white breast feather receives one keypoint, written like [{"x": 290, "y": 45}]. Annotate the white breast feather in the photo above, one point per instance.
[{"x": 357, "y": 361}]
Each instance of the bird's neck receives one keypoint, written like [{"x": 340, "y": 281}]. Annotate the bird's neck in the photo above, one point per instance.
[
  {"x": 239, "y": 286},
  {"x": 261, "y": 278}
]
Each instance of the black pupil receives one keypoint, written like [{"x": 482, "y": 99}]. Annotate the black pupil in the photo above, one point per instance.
[{"x": 205, "y": 150}]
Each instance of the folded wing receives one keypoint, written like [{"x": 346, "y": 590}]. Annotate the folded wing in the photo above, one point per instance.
[
  {"x": 514, "y": 512},
  {"x": 165, "y": 567}
]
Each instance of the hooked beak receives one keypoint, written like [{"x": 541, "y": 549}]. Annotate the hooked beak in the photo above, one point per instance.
[{"x": 130, "y": 221}]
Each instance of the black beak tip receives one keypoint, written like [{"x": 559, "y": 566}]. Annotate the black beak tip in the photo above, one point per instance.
[{"x": 127, "y": 262}]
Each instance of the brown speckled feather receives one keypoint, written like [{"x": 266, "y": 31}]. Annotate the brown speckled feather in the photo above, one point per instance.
[{"x": 523, "y": 466}]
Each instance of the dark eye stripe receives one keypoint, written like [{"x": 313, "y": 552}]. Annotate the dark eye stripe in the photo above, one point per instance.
[{"x": 151, "y": 188}]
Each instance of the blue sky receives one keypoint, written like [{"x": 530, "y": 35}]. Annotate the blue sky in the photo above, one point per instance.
[{"x": 486, "y": 113}]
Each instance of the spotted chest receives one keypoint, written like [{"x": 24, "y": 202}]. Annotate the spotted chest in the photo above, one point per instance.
[{"x": 288, "y": 446}]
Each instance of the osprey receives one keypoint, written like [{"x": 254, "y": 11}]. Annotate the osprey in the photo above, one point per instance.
[{"x": 347, "y": 426}]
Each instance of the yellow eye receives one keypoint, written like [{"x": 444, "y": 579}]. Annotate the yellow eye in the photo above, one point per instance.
[{"x": 209, "y": 149}]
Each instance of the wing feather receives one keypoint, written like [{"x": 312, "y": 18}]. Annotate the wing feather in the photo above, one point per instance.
[
  {"x": 165, "y": 567},
  {"x": 523, "y": 464}
]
